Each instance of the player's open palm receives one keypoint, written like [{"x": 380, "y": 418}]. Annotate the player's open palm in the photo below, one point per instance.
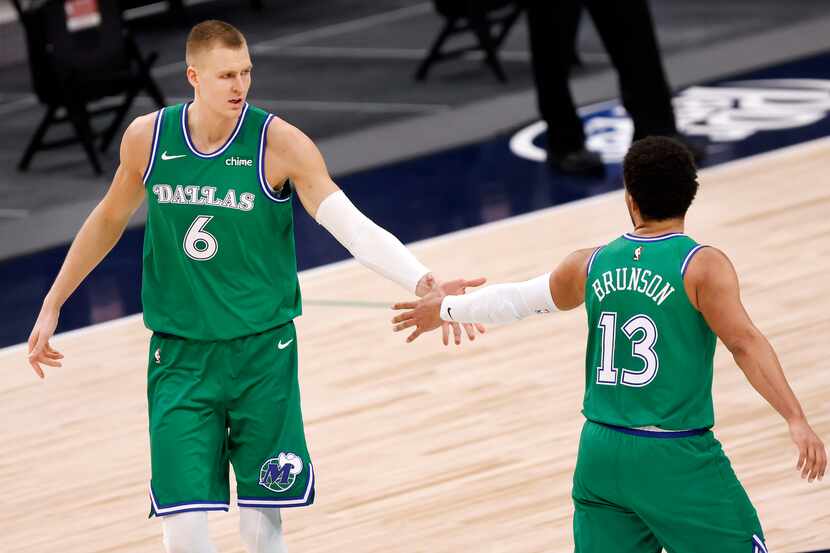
[
  {"x": 425, "y": 314},
  {"x": 40, "y": 352},
  {"x": 812, "y": 455}
]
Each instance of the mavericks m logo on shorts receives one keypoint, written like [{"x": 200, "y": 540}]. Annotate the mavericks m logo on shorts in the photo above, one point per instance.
[{"x": 279, "y": 473}]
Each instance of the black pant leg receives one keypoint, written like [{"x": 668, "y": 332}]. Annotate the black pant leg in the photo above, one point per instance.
[
  {"x": 552, "y": 30},
  {"x": 627, "y": 31}
]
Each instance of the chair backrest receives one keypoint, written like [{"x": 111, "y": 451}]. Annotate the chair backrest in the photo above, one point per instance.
[{"x": 73, "y": 43}]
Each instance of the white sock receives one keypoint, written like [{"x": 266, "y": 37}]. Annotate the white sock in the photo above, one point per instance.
[
  {"x": 261, "y": 530},
  {"x": 187, "y": 533}
]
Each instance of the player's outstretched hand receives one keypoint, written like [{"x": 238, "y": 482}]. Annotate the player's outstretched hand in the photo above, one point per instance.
[
  {"x": 812, "y": 456},
  {"x": 40, "y": 352},
  {"x": 425, "y": 314}
]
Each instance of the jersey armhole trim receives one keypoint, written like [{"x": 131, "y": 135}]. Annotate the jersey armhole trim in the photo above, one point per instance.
[
  {"x": 689, "y": 257},
  {"x": 153, "y": 147},
  {"x": 263, "y": 180},
  {"x": 591, "y": 260}
]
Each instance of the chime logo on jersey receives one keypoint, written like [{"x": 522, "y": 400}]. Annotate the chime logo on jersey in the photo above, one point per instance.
[
  {"x": 637, "y": 253},
  {"x": 279, "y": 473}
]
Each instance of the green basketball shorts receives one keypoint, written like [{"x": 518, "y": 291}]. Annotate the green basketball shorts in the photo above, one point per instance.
[
  {"x": 232, "y": 401},
  {"x": 640, "y": 491}
]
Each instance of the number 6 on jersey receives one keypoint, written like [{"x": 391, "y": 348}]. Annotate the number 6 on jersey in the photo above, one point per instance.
[
  {"x": 199, "y": 244},
  {"x": 641, "y": 347}
]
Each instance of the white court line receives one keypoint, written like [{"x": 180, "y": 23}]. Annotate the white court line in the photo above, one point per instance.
[
  {"x": 345, "y": 26},
  {"x": 320, "y": 32},
  {"x": 408, "y": 54},
  {"x": 6, "y": 213},
  {"x": 321, "y": 105},
  {"x": 805, "y": 147}
]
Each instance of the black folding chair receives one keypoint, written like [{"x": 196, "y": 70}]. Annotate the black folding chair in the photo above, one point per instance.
[
  {"x": 488, "y": 20},
  {"x": 75, "y": 61}
]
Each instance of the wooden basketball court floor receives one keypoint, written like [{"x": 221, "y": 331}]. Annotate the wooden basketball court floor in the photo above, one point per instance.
[{"x": 422, "y": 448}]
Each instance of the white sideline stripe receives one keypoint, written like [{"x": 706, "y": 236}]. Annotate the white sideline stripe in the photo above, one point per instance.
[
  {"x": 804, "y": 147},
  {"x": 278, "y": 106},
  {"x": 320, "y": 32},
  {"x": 408, "y": 54}
]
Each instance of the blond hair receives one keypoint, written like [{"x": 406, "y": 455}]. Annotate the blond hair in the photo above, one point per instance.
[{"x": 209, "y": 34}]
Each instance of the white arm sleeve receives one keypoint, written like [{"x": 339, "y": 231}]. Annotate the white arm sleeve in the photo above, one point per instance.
[
  {"x": 500, "y": 303},
  {"x": 371, "y": 245}
]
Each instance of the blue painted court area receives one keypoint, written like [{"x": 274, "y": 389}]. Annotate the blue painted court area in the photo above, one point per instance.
[{"x": 463, "y": 187}]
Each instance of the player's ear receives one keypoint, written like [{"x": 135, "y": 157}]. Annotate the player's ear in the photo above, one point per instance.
[{"x": 192, "y": 76}]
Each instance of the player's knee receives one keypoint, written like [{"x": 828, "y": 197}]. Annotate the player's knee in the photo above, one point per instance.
[
  {"x": 187, "y": 533},
  {"x": 261, "y": 530}
]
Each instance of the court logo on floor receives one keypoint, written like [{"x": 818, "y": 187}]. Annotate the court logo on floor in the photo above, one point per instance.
[
  {"x": 279, "y": 473},
  {"x": 731, "y": 111}
]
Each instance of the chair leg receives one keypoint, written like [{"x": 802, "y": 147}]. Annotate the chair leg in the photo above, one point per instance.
[
  {"x": 37, "y": 138},
  {"x": 435, "y": 50},
  {"x": 79, "y": 117},
  {"x": 118, "y": 119},
  {"x": 482, "y": 31},
  {"x": 506, "y": 25}
]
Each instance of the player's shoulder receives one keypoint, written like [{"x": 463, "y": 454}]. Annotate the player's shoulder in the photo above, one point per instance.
[
  {"x": 140, "y": 129},
  {"x": 138, "y": 140},
  {"x": 707, "y": 261},
  {"x": 577, "y": 262},
  {"x": 286, "y": 138}
]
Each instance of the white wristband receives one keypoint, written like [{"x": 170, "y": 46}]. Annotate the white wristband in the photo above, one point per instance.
[
  {"x": 500, "y": 303},
  {"x": 371, "y": 245}
]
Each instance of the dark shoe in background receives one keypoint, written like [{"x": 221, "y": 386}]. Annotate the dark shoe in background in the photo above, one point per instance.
[{"x": 581, "y": 163}]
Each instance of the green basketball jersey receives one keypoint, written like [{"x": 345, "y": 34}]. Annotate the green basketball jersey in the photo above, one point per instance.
[
  {"x": 649, "y": 355},
  {"x": 219, "y": 257}
]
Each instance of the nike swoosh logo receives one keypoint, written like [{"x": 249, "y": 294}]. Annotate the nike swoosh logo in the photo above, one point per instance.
[
  {"x": 449, "y": 312},
  {"x": 280, "y": 345},
  {"x": 167, "y": 157}
]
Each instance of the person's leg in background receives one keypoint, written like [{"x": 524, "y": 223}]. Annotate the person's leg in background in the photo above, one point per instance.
[
  {"x": 552, "y": 31},
  {"x": 627, "y": 31}
]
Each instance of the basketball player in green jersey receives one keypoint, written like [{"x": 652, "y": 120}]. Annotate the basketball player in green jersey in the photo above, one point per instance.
[
  {"x": 220, "y": 291},
  {"x": 649, "y": 474}
]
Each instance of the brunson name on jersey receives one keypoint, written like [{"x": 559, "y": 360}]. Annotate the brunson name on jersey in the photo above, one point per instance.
[{"x": 634, "y": 279}]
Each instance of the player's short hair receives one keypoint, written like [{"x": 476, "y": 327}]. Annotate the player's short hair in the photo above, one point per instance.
[
  {"x": 660, "y": 175},
  {"x": 209, "y": 34}
]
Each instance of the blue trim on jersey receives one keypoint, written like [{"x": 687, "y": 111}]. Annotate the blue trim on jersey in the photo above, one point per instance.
[
  {"x": 636, "y": 238},
  {"x": 185, "y": 507},
  {"x": 193, "y": 510},
  {"x": 263, "y": 181},
  {"x": 689, "y": 257},
  {"x": 186, "y": 132},
  {"x": 653, "y": 434},
  {"x": 759, "y": 545},
  {"x": 155, "y": 143},
  {"x": 591, "y": 260}
]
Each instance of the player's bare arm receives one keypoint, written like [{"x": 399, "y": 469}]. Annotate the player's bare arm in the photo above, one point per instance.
[
  {"x": 291, "y": 155},
  {"x": 561, "y": 289},
  {"x": 713, "y": 288},
  {"x": 99, "y": 233}
]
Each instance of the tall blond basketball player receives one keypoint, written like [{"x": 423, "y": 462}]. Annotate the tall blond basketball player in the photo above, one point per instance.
[{"x": 220, "y": 291}]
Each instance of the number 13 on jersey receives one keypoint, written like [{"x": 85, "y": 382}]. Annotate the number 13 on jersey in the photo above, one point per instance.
[{"x": 642, "y": 332}]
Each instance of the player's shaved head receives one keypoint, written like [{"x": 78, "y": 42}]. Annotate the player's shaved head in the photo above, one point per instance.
[{"x": 211, "y": 34}]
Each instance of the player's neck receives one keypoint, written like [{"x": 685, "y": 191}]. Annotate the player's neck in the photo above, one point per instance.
[
  {"x": 208, "y": 129},
  {"x": 657, "y": 228}
]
